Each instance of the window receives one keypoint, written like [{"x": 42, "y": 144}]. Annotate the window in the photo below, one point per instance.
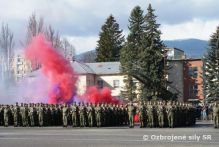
[
  {"x": 193, "y": 72},
  {"x": 115, "y": 83},
  {"x": 100, "y": 83},
  {"x": 193, "y": 91}
]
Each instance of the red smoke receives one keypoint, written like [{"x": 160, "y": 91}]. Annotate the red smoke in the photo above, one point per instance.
[
  {"x": 95, "y": 95},
  {"x": 55, "y": 67},
  {"x": 136, "y": 118}
]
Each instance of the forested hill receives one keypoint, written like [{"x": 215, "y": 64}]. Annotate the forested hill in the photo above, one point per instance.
[{"x": 192, "y": 47}]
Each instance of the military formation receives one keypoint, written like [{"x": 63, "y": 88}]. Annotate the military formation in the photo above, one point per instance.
[
  {"x": 165, "y": 114},
  {"x": 150, "y": 114},
  {"x": 75, "y": 115}
]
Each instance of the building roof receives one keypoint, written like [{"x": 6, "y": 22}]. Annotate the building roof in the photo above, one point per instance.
[
  {"x": 105, "y": 67},
  {"x": 187, "y": 59},
  {"x": 82, "y": 68},
  {"x": 174, "y": 48},
  {"x": 99, "y": 68}
]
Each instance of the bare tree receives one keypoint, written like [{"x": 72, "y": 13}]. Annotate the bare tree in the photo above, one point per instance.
[
  {"x": 61, "y": 45},
  {"x": 6, "y": 50},
  {"x": 53, "y": 37},
  {"x": 87, "y": 57},
  {"x": 68, "y": 49},
  {"x": 34, "y": 27}
]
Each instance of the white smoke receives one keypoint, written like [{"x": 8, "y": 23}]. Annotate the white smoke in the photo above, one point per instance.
[{"x": 31, "y": 89}]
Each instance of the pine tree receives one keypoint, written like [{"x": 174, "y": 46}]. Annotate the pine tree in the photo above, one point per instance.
[
  {"x": 110, "y": 42},
  {"x": 151, "y": 57},
  {"x": 129, "y": 53},
  {"x": 211, "y": 69}
]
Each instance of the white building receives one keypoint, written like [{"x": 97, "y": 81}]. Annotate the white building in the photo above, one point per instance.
[
  {"x": 99, "y": 74},
  {"x": 21, "y": 67}
]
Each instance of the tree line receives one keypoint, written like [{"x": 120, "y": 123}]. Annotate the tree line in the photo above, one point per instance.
[{"x": 141, "y": 54}]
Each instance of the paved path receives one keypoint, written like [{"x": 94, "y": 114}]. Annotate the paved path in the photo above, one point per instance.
[{"x": 203, "y": 134}]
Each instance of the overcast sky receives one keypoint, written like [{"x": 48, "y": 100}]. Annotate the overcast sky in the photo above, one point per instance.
[{"x": 80, "y": 20}]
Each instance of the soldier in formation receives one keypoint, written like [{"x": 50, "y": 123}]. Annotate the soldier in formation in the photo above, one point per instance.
[
  {"x": 90, "y": 114},
  {"x": 6, "y": 115},
  {"x": 65, "y": 113},
  {"x": 131, "y": 114},
  {"x": 74, "y": 112},
  {"x": 151, "y": 114},
  {"x": 216, "y": 115}
]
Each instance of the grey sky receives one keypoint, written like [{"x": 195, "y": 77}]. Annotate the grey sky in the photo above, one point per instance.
[{"x": 81, "y": 20}]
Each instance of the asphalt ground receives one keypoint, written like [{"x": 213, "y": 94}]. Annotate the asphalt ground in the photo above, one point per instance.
[{"x": 201, "y": 135}]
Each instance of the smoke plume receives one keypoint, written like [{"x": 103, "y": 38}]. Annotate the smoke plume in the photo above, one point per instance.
[
  {"x": 95, "y": 95},
  {"x": 61, "y": 76}
]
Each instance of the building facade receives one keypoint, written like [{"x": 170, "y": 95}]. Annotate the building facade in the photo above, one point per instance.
[
  {"x": 175, "y": 77},
  {"x": 21, "y": 67},
  {"x": 193, "y": 82},
  {"x": 185, "y": 77}
]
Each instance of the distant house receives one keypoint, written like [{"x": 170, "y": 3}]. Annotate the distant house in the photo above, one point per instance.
[{"x": 99, "y": 74}]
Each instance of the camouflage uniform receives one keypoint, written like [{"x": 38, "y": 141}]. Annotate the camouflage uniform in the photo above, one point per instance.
[
  {"x": 150, "y": 112},
  {"x": 31, "y": 114},
  {"x": 74, "y": 112},
  {"x": 16, "y": 112},
  {"x": 40, "y": 112},
  {"x": 65, "y": 115},
  {"x": 160, "y": 112},
  {"x": 142, "y": 114},
  {"x": 1, "y": 115},
  {"x": 82, "y": 111},
  {"x": 98, "y": 112},
  {"x": 216, "y": 115},
  {"x": 131, "y": 113},
  {"x": 90, "y": 115},
  {"x": 170, "y": 115},
  {"x": 24, "y": 115},
  {"x": 6, "y": 115}
]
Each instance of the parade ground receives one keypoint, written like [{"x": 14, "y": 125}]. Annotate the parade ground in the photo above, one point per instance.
[{"x": 203, "y": 134}]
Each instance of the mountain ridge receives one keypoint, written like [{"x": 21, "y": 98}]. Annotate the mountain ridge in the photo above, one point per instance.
[{"x": 193, "y": 48}]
